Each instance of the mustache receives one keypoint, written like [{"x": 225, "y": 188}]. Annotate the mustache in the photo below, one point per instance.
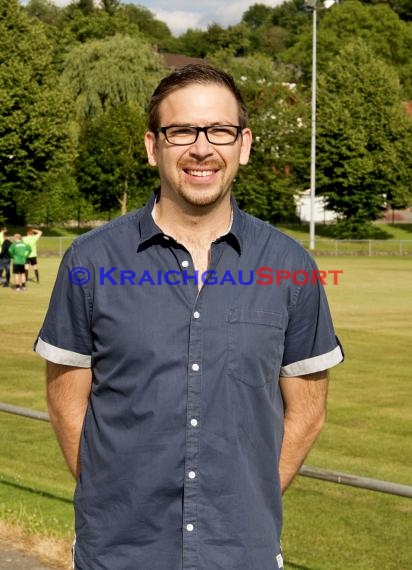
[{"x": 204, "y": 165}]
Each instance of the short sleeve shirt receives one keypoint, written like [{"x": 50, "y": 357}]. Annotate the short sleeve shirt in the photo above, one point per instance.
[
  {"x": 32, "y": 242},
  {"x": 182, "y": 435}
]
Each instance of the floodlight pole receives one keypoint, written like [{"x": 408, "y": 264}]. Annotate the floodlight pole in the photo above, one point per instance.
[
  {"x": 314, "y": 5},
  {"x": 313, "y": 132}
]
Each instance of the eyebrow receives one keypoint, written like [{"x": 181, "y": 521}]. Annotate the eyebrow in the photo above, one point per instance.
[{"x": 212, "y": 124}]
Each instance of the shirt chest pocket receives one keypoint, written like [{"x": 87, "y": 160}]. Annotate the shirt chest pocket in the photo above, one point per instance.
[{"x": 255, "y": 345}]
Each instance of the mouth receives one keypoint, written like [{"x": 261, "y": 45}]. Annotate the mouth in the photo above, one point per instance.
[{"x": 197, "y": 173}]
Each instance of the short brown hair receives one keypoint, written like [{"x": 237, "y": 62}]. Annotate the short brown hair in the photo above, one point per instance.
[{"x": 200, "y": 74}]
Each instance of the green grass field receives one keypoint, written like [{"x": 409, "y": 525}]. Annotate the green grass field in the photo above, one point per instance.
[{"x": 327, "y": 526}]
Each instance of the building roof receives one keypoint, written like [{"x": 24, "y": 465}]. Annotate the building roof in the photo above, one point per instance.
[
  {"x": 177, "y": 60},
  {"x": 408, "y": 107}
]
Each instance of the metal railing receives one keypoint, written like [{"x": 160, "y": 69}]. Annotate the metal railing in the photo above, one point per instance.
[
  {"x": 363, "y": 247},
  {"x": 305, "y": 471},
  {"x": 56, "y": 246}
]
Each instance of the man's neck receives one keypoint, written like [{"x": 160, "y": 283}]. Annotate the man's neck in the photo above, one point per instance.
[{"x": 193, "y": 226}]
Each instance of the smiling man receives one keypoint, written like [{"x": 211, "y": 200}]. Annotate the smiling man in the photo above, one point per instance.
[{"x": 184, "y": 410}]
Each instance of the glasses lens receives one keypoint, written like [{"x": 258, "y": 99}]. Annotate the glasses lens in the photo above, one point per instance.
[
  {"x": 181, "y": 135},
  {"x": 222, "y": 134}
]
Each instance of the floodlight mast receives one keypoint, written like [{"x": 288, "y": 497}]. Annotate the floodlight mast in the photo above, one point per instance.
[{"x": 314, "y": 5}]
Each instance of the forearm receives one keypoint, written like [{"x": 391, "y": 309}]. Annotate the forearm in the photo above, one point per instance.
[
  {"x": 298, "y": 439},
  {"x": 68, "y": 391},
  {"x": 305, "y": 414}
]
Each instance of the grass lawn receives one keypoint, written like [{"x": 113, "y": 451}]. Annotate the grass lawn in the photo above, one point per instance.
[
  {"x": 387, "y": 239},
  {"x": 327, "y": 526}
]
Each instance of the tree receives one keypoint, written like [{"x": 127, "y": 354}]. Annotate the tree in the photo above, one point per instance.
[
  {"x": 103, "y": 74},
  {"x": 110, "y": 6},
  {"x": 59, "y": 201},
  {"x": 81, "y": 24},
  {"x": 194, "y": 43},
  {"x": 34, "y": 134},
  {"x": 364, "y": 139},
  {"x": 292, "y": 16},
  {"x": 112, "y": 170},
  {"x": 378, "y": 26},
  {"x": 271, "y": 41},
  {"x": 44, "y": 11},
  {"x": 111, "y": 81},
  {"x": 257, "y": 16},
  {"x": 85, "y": 6},
  {"x": 155, "y": 31},
  {"x": 402, "y": 7}
]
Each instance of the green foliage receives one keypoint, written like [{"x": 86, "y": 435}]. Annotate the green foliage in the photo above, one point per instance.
[
  {"x": 81, "y": 21},
  {"x": 154, "y": 30},
  {"x": 86, "y": 6},
  {"x": 102, "y": 74},
  {"x": 276, "y": 28},
  {"x": 112, "y": 169},
  {"x": 34, "y": 135},
  {"x": 45, "y": 11},
  {"x": 198, "y": 43},
  {"x": 45, "y": 73},
  {"x": 389, "y": 38},
  {"x": 111, "y": 81},
  {"x": 59, "y": 201},
  {"x": 110, "y": 6},
  {"x": 363, "y": 132},
  {"x": 292, "y": 16},
  {"x": 257, "y": 15},
  {"x": 402, "y": 7},
  {"x": 81, "y": 25}
]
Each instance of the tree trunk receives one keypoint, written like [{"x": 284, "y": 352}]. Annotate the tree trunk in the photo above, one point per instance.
[{"x": 123, "y": 199}]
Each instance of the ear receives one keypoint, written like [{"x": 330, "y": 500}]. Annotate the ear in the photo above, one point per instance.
[
  {"x": 245, "y": 146},
  {"x": 150, "y": 142}
]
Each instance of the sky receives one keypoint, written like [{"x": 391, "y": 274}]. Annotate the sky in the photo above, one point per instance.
[{"x": 182, "y": 14}]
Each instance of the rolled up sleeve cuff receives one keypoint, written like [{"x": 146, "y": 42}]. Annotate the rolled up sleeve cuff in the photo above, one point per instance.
[
  {"x": 61, "y": 355},
  {"x": 314, "y": 364}
]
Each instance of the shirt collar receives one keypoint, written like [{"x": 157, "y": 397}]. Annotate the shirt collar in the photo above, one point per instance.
[
  {"x": 147, "y": 226},
  {"x": 150, "y": 232}
]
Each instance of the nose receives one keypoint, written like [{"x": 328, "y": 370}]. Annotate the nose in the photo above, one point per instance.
[{"x": 201, "y": 147}]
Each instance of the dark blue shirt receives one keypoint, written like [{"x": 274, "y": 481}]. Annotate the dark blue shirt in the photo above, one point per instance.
[{"x": 182, "y": 436}]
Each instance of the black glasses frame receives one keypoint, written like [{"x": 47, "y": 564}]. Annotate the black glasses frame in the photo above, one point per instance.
[{"x": 199, "y": 130}]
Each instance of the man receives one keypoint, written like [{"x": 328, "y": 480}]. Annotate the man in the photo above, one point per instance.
[
  {"x": 19, "y": 251},
  {"x": 5, "y": 257},
  {"x": 31, "y": 239},
  {"x": 194, "y": 402},
  {"x": 3, "y": 232}
]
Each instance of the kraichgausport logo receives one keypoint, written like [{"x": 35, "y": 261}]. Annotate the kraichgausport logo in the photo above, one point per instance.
[{"x": 263, "y": 276}]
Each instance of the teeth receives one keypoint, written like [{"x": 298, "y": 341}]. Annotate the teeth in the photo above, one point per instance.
[{"x": 201, "y": 173}]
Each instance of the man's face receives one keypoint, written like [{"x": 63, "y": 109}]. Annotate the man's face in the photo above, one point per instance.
[{"x": 199, "y": 174}]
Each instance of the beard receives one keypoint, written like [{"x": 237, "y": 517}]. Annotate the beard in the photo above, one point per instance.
[{"x": 203, "y": 195}]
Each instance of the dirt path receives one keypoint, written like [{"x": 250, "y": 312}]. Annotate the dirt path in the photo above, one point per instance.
[
  {"x": 12, "y": 559},
  {"x": 31, "y": 552}
]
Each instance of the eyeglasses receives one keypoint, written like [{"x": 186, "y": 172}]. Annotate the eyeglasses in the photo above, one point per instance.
[{"x": 215, "y": 134}]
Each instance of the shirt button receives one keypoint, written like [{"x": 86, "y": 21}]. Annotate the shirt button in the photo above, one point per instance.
[
  {"x": 193, "y": 422},
  {"x": 195, "y": 367},
  {"x": 196, "y": 314},
  {"x": 190, "y": 527},
  {"x": 191, "y": 475},
  {"x": 185, "y": 263}
]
